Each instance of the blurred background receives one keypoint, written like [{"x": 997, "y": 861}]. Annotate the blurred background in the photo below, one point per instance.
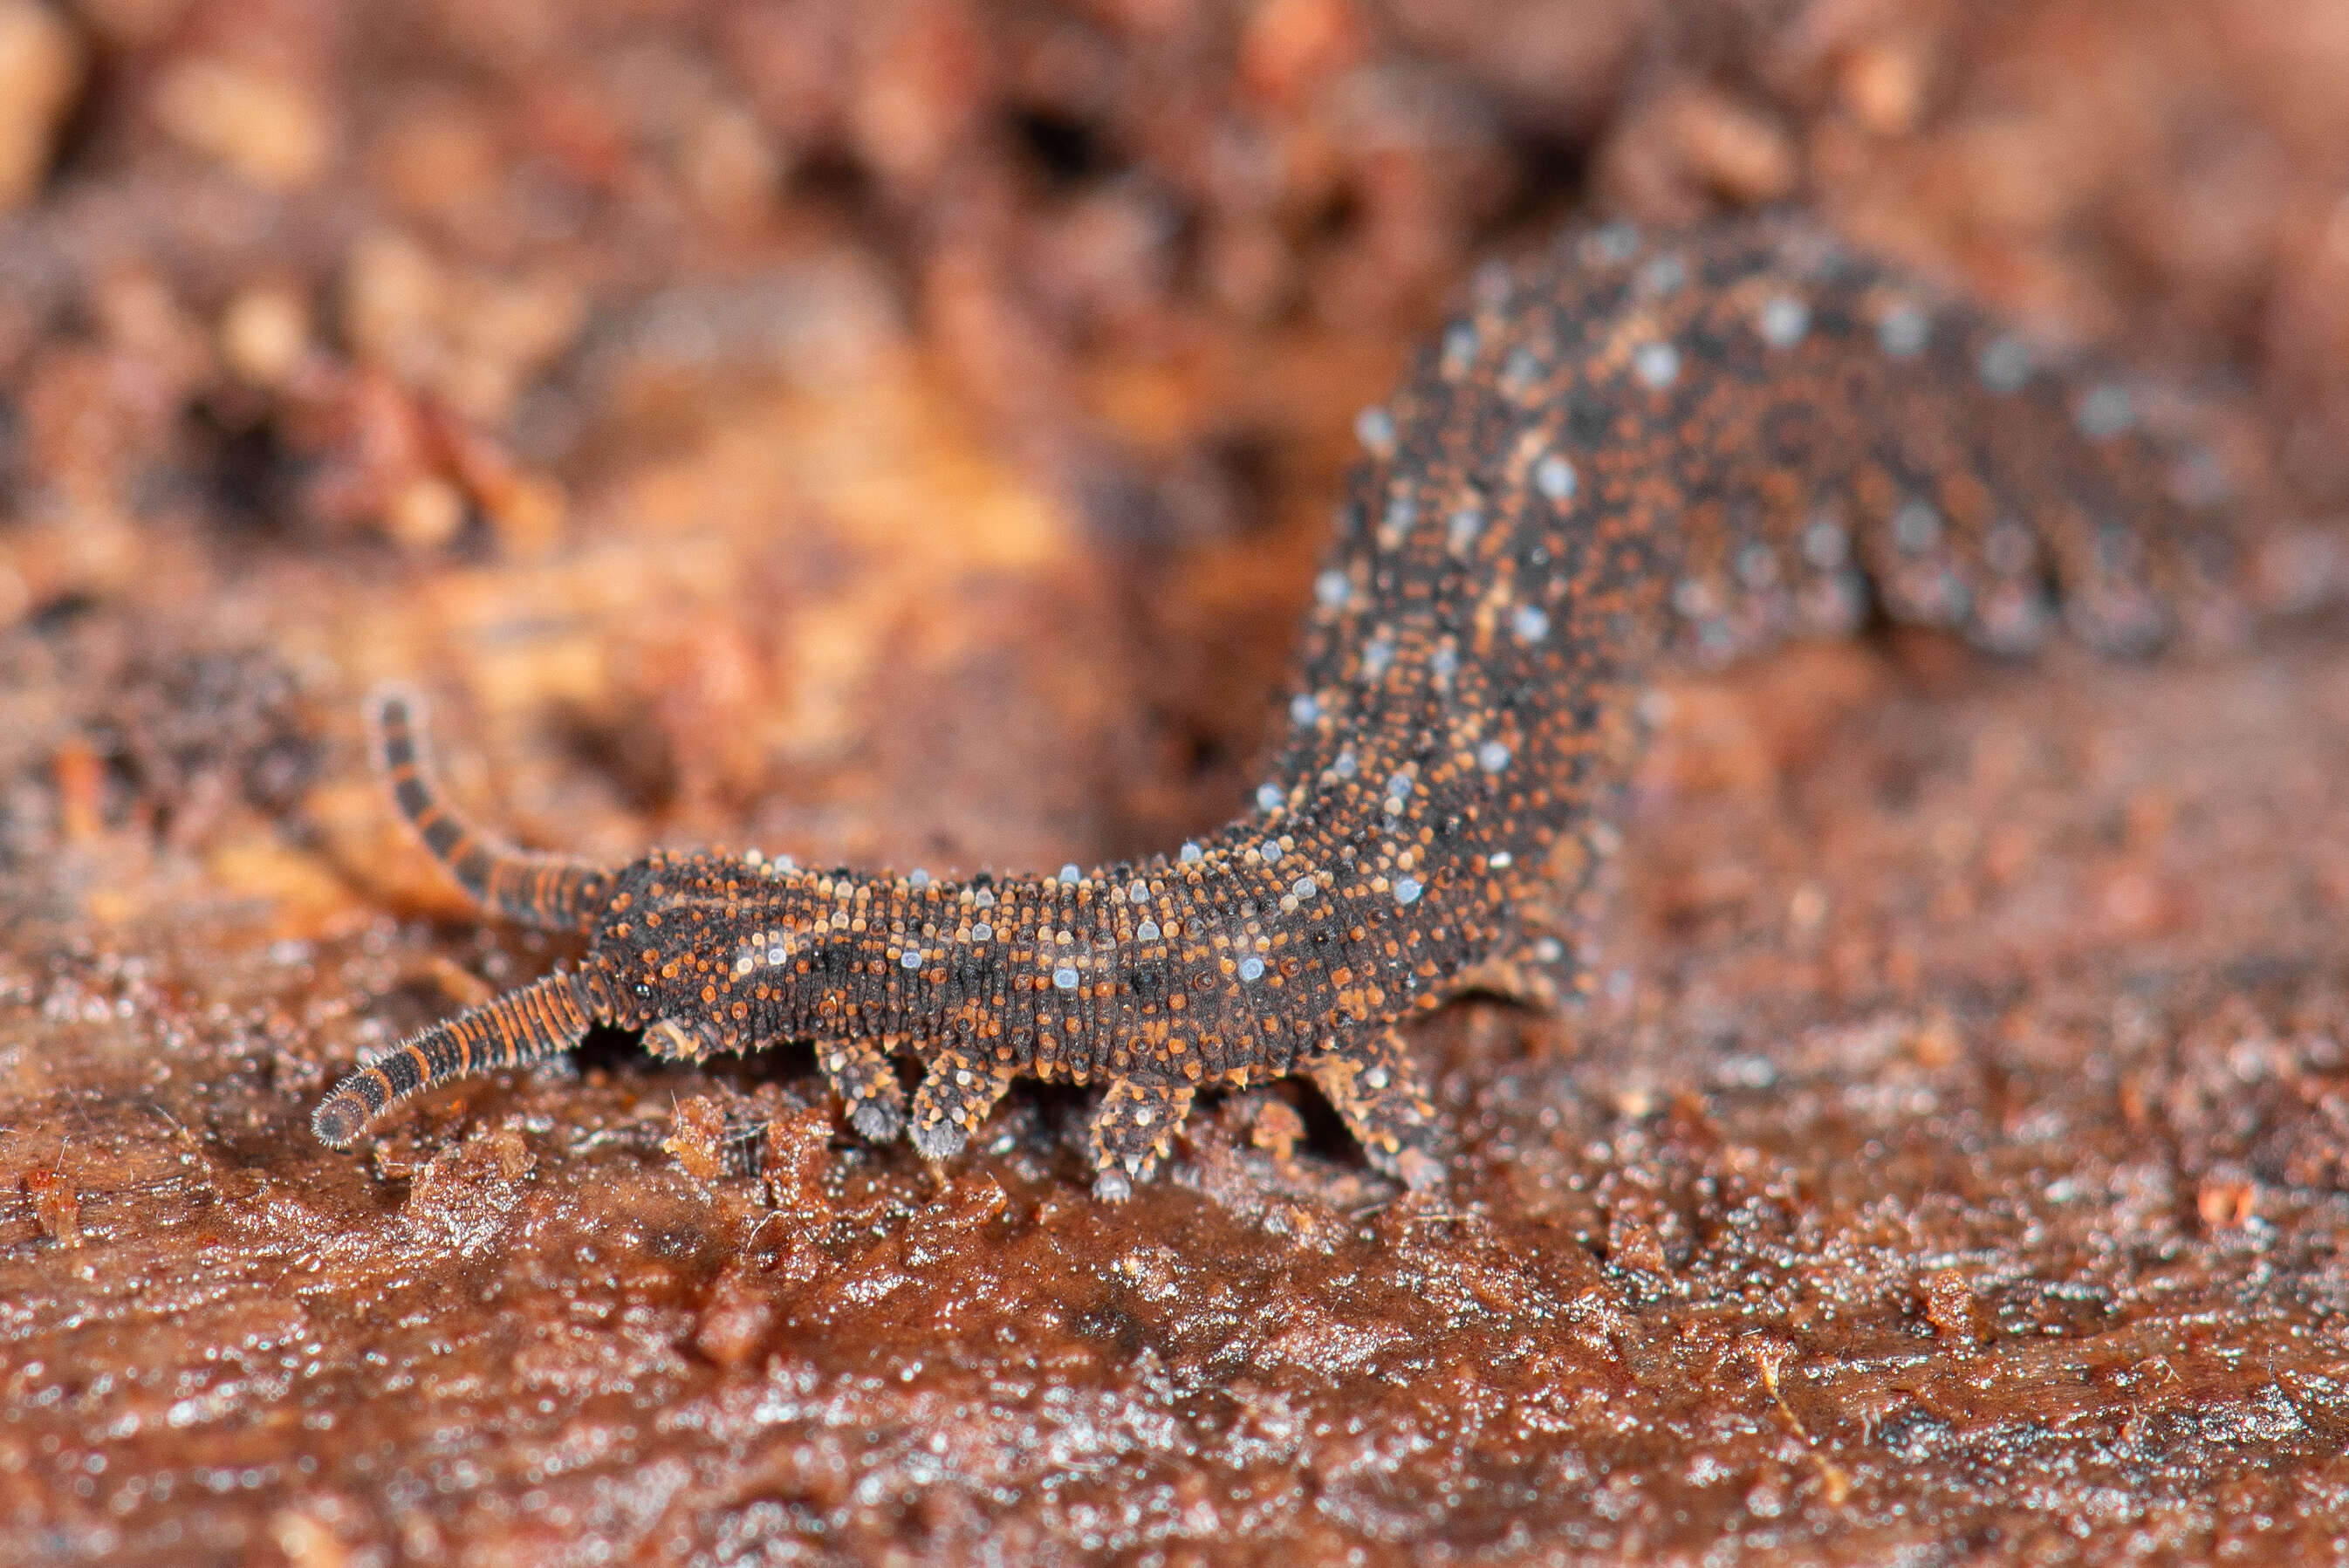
[
  {"x": 802, "y": 418},
  {"x": 901, "y": 431}
]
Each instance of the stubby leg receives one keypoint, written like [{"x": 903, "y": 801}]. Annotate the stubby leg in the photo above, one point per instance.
[
  {"x": 1538, "y": 975},
  {"x": 1537, "y": 968},
  {"x": 1375, "y": 1088},
  {"x": 1132, "y": 1130},
  {"x": 954, "y": 1098},
  {"x": 682, "y": 1039},
  {"x": 860, "y": 1073}
]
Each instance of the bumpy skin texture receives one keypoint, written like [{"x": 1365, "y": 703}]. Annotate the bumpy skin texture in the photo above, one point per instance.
[{"x": 1702, "y": 443}]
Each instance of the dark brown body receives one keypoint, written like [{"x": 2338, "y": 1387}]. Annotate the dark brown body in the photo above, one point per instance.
[{"x": 1708, "y": 442}]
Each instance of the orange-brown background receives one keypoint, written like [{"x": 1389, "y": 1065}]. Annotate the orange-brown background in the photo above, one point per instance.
[{"x": 902, "y": 431}]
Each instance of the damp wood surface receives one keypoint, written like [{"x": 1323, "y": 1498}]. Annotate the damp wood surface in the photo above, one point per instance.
[{"x": 862, "y": 436}]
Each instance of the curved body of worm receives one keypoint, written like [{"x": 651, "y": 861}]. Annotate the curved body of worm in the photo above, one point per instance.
[{"x": 1701, "y": 444}]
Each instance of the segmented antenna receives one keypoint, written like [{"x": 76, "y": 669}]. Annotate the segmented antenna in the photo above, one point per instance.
[
  {"x": 518, "y": 1029},
  {"x": 551, "y": 892}
]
